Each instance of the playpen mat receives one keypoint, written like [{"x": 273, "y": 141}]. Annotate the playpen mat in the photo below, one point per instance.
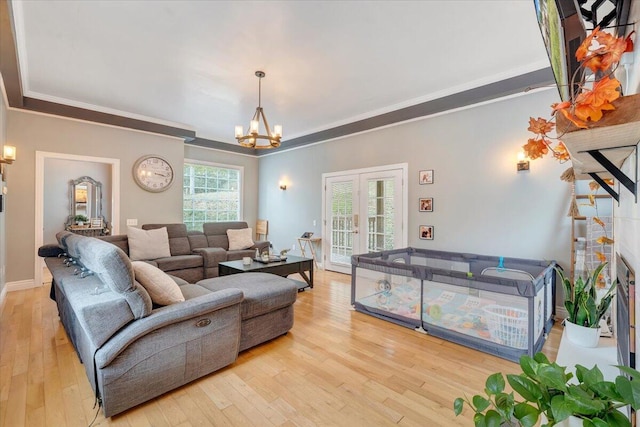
[{"x": 458, "y": 312}]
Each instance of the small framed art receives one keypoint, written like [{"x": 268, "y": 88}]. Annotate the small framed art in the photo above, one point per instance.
[
  {"x": 426, "y": 177},
  {"x": 425, "y": 204},
  {"x": 426, "y": 232}
]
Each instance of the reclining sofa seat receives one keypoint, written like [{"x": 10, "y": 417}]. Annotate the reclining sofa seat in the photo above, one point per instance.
[
  {"x": 131, "y": 351},
  {"x": 182, "y": 263}
]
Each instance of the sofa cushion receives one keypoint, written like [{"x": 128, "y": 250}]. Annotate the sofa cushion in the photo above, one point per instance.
[
  {"x": 263, "y": 292},
  {"x": 120, "y": 240},
  {"x": 178, "y": 240},
  {"x": 240, "y": 239},
  {"x": 180, "y": 262},
  {"x": 148, "y": 244},
  {"x": 197, "y": 240},
  {"x": 162, "y": 289},
  {"x": 216, "y": 232}
]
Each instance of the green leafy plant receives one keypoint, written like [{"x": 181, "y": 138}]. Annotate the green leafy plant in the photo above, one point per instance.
[
  {"x": 80, "y": 218},
  {"x": 580, "y": 298},
  {"x": 545, "y": 388}
]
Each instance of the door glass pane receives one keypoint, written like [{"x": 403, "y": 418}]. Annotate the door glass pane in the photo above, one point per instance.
[
  {"x": 380, "y": 214},
  {"x": 341, "y": 222}
]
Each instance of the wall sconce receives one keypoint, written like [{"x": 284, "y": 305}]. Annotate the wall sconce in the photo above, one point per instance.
[
  {"x": 8, "y": 156},
  {"x": 283, "y": 186},
  {"x": 523, "y": 163}
]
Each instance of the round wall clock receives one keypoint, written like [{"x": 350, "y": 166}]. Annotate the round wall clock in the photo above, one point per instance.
[{"x": 153, "y": 173}]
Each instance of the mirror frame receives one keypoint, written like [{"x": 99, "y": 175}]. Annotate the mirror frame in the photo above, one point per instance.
[{"x": 97, "y": 199}]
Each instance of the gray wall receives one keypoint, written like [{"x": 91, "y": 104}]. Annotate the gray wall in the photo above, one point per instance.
[
  {"x": 58, "y": 173},
  {"x": 3, "y": 245},
  {"x": 481, "y": 204},
  {"x": 36, "y": 132}
]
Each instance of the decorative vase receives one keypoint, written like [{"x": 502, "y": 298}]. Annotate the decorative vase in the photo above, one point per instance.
[
  {"x": 581, "y": 335},
  {"x": 80, "y": 223}
]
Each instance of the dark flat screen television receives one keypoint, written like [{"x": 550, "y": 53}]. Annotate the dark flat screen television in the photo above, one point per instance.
[{"x": 563, "y": 32}]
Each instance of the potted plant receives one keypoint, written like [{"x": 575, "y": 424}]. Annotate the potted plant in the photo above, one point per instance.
[
  {"x": 80, "y": 219},
  {"x": 584, "y": 307},
  {"x": 547, "y": 391}
]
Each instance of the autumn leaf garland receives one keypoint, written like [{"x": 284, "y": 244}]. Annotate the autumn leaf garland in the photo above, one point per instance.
[{"x": 600, "y": 52}]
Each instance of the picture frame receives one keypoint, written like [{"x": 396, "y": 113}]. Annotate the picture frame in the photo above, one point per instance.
[
  {"x": 425, "y": 177},
  {"x": 426, "y": 232},
  {"x": 425, "y": 204},
  {"x": 96, "y": 222}
]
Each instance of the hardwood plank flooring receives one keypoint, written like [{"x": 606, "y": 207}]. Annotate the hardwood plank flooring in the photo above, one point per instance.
[{"x": 336, "y": 367}]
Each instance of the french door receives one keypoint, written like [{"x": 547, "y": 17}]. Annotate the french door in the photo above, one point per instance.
[{"x": 364, "y": 212}]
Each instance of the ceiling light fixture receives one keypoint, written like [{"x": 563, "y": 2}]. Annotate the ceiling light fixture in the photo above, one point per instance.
[{"x": 253, "y": 139}]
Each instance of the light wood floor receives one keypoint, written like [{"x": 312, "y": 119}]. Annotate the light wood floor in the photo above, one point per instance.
[{"x": 336, "y": 367}]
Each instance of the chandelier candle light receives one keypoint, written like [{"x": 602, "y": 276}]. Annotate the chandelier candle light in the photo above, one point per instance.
[{"x": 251, "y": 139}]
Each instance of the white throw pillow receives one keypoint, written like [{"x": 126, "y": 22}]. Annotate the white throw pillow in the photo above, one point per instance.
[
  {"x": 148, "y": 244},
  {"x": 240, "y": 239},
  {"x": 162, "y": 289}
]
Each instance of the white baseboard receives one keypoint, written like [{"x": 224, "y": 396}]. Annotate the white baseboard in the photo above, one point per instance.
[
  {"x": 3, "y": 295},
  {"x": 561, "y": 313},
  {"x": 20, "y": 285}
]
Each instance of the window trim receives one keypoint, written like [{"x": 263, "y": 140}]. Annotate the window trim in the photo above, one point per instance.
[{"x": 240, "y": 170}]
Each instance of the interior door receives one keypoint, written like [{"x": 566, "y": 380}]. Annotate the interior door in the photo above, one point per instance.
[{"x": 364, "y": 213}]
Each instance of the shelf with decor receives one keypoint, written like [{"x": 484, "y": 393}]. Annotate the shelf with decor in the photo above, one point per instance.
[{"x": 600, "y": 150}]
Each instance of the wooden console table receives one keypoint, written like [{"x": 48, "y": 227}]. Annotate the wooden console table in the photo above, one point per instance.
[
  {"x": 86, "y": 231},
  {"x": 309, "y": 243}
]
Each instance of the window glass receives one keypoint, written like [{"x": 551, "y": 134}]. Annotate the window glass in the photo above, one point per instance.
[{"x": 211, "y": 193}]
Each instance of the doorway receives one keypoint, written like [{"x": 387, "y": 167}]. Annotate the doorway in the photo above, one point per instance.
[
  {"x": 43, "y": 158},
  {"x": 364, "y": 211}
]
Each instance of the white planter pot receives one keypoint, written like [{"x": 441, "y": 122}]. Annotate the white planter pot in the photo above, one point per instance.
[{"x": 581, "y": 335}]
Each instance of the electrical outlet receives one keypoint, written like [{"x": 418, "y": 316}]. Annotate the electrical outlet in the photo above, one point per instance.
[{"x": 132, "y": 222}]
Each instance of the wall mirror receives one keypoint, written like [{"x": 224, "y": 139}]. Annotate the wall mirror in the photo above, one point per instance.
[{"x": 85, "y": 198}]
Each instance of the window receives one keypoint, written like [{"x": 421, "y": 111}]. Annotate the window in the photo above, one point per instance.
[{"x": 211, "y": 193}]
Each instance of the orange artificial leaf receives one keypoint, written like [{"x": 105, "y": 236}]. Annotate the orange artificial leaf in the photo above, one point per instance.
[
  {"x": 604, "y": 240},
  {"x": 601, "y": 256},
  {"x": 609, "y": 181},
  {"x": 560, "y": 106},
  {"x": 594, "y": 186},
  {"x": 590, "y": 105},
  {"x": 605, "y": 90},
  {"x": 592, "y": 200},
  {"x": 610, "y": 50},
  {"x": 535, "y": 148},
  {"x": 598, "y": 221},
  {"x": 540, "y": 126},
  {"x": 561, "y": 153},
  {"x": 583, "y": 50},
  {"x": 629, "y": 42},
  {"x": 573, "y": 119}
]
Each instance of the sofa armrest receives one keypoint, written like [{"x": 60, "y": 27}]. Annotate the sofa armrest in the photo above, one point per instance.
[
  {"x": 261, "y": 245},
  {"x": 211, "y": 256},
  {"x": 205, "y": 305}
]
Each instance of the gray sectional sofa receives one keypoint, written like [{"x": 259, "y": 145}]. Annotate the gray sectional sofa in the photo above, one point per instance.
[
  {"x": 195, "y": 255},
  {"x": 133, "y": 350}
]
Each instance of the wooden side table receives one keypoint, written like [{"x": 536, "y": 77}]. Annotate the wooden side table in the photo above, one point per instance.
[{"x": 310, "y": 244}]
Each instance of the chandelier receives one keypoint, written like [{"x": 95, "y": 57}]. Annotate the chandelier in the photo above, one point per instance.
[{"x": 253, "y": 138}]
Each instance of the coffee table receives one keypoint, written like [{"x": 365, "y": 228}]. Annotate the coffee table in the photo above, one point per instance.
[{"x": 293, "y": 264}]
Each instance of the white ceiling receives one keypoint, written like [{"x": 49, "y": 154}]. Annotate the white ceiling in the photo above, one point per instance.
[{"x": 191, "y": 64}]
